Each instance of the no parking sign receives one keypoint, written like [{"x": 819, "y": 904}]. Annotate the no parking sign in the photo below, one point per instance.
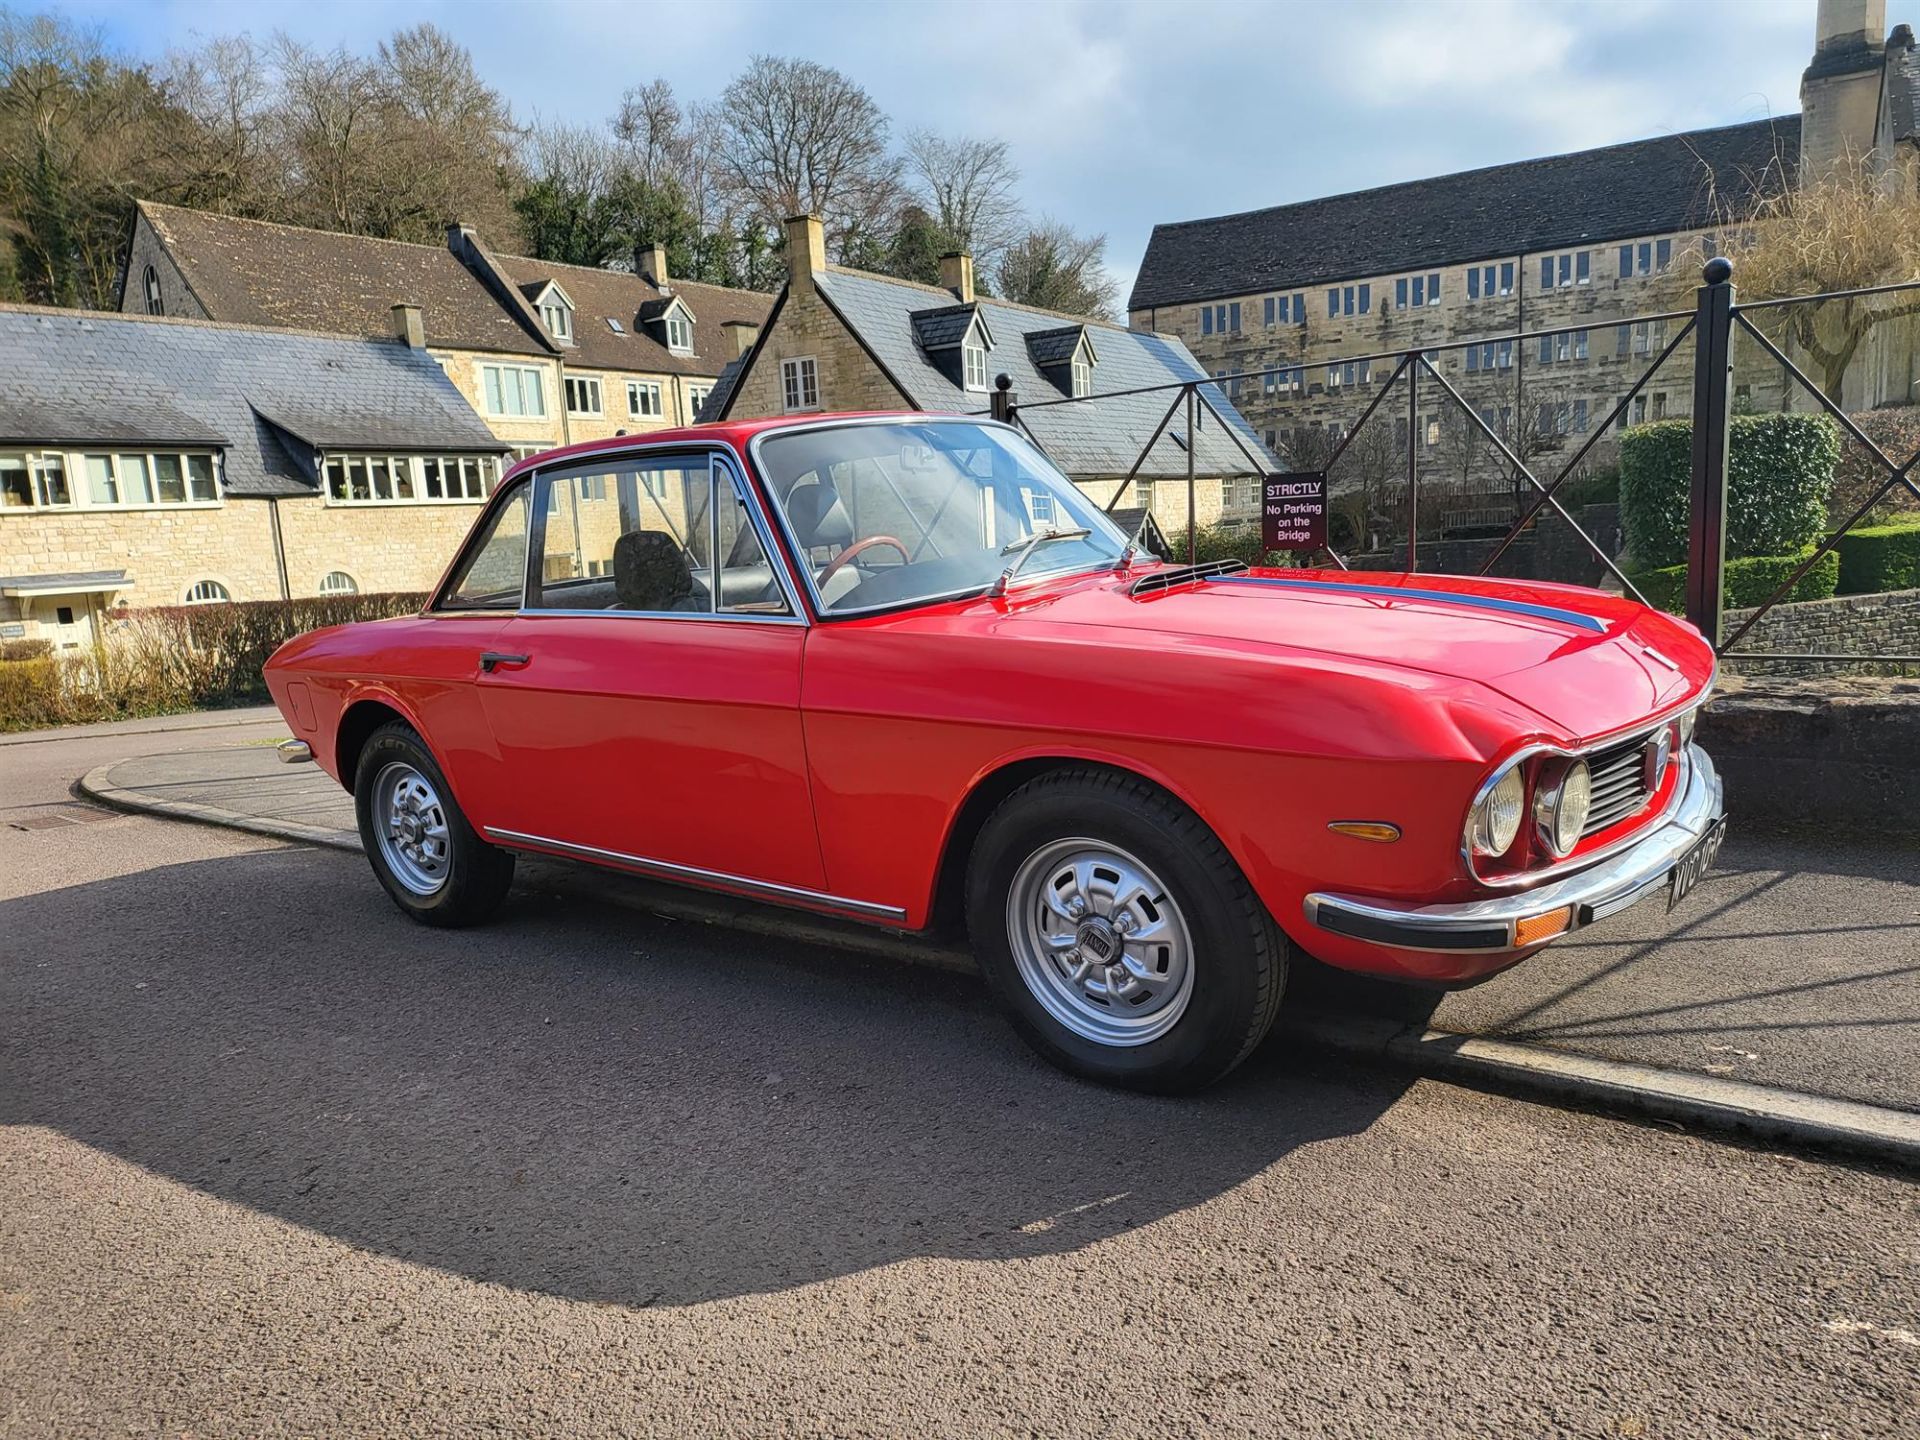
[{"x": 1293, "y": 511}]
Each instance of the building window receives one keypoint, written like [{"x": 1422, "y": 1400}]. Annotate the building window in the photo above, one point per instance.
[
  {"x": 207, "y": 592},
  {"x": 1082, "y": 376},
  {"x": 973, "y": 359},
  {"x": 1573, "y": 268},
  {"x": 1206, "y": 319},
  {"x": 696, "y": 397},
  {"x": 1144, "y": 489},
  {"x": 408, "y": 479},
  {"x": 558, "y": 319},
  {"x": 583, "y": 395},
  {"x": 150, "y": 283},
  {"x": 40, "y": 480},
  {"x": 339, "y": 582},
  {"x": 643, "y": 399},
  {"x": 800, "y": 384},
  {"x": 679, "y": 333},
  {"x": 513, "y": 391}
]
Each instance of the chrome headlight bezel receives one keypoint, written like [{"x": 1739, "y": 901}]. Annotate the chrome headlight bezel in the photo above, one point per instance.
[
  {"x": 1560, "y": 810},
  {"x": 1493, "y": 824}
]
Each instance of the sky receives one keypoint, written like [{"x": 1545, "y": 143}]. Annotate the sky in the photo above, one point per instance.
[{"x": 1124, "y": 113}]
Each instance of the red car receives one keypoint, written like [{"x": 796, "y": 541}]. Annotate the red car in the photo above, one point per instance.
[{"x": 897, "y": 668}]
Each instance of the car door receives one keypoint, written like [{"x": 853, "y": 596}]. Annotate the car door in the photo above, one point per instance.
[{"x": 645, "y": 702}]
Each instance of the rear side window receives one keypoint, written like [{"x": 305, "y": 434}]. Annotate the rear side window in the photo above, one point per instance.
[{"x": 494, "y": 572}]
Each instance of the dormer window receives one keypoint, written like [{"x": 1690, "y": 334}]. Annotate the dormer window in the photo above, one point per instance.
[
  {"x": 669, "y": 322},
  {"x": 554, "y": 306},
  {"x": 974, "y": 355},
  {"x": 558, "y": 320},
  {"x": 1082, "y": 376},
  {"x": 1065, "y": 356},
  {"x": 679, "y": 332}
]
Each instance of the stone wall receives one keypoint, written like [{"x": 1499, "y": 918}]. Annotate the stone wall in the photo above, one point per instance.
[
  {"x": 849, "y": 378},
  {"x": 1885, "y": 624},
  {"x": 383, "y": 547}
]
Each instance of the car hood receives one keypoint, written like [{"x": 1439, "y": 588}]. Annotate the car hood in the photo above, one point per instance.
[{"x": 1587, "y": 662}]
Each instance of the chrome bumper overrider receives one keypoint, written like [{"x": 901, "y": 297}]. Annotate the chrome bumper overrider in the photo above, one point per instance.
[{"x": 1488, "y": 925}]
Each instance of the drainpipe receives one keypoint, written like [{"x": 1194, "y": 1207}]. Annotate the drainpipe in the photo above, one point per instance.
[
  {"x": 279, "y": 545},
  {"x": 566, "y": 429}
]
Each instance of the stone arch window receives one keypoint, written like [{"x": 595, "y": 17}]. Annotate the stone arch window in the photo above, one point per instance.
[
  {"x": 150, "y": 283},
  {"x": 207, "y": 592},
  {"x": 339, "y": 582}
]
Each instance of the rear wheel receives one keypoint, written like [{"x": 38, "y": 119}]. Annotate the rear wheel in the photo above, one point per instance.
[
  {"x": 1124, "y": 941},
  {"x": 431, "y": 861}
]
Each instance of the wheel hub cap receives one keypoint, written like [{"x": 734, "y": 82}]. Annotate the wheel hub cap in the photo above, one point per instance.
[
  {"x": 410, "y": 827},
  {"x": 1100, "y": 942}
]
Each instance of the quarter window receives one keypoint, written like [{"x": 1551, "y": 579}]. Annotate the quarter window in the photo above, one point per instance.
[
  {"x": 800, "y": 384},
  {"x": 513, "y": 390},
  {"x": 655, "y": 535},
  {"x": 493, "y": 574},
  {"x": 643, "y": 399},
  {"x": 583, "y": 395}
]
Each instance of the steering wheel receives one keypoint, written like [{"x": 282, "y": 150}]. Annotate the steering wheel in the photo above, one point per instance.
[{"x": 855, "y": 550}]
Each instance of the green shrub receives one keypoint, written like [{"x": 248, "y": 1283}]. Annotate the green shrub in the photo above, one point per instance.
[
  {"x": 1748, "y": 581},
  {"x": 1602, "y": 487},
  {"x": 1779, "y": 476},
  {"x": 1226, "y": 542},
  {"x": 1880, "y": 557},
  {"x": 1896, "y": 430}
]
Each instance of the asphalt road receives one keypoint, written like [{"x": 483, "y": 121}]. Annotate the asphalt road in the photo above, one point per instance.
[{"x": 275, "y": 1161}]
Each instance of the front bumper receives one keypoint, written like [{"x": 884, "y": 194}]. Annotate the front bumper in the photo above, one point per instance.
[{"x": 1485, "y": 927}]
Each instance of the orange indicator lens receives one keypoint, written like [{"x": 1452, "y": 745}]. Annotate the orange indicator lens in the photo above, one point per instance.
[{"x": 1536, "y": 928}]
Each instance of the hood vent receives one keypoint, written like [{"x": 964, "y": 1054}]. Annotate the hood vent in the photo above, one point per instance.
[{"x": 1166, "y": 579}]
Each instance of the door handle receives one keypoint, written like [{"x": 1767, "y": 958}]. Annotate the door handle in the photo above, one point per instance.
[{"x": 492, "y": 660}]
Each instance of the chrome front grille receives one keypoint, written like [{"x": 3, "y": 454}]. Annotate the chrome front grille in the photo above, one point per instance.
[{"x": 1620, "y": 774}]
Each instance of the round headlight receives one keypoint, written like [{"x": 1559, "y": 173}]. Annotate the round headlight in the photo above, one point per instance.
[
  {"x": 1561, "y": 810},
  {"x": 1496, "y": 819}
]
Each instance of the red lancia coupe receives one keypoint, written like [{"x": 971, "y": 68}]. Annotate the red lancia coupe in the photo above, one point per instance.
[{"x": 897, "y": 668}]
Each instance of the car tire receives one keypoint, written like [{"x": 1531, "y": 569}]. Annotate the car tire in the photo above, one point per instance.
[
  {"x": 428, "y": 857},
  {"x": 1196, "y": 979}
]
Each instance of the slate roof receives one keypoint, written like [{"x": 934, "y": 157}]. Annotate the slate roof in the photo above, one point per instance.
[
  {"x": 942, "y": 326},
  {"x": 1903, "y": 87},
  {"x": 254, "y": 273},
  {"x": 84, "y": 378},
  {"x": 715, "y": 405},
  {"x": 1089, "y": 438},
  {"x": 626, "y": 297},
  {"x": 1647, "y": 187},
  {"x": 1054, "y": 347}
]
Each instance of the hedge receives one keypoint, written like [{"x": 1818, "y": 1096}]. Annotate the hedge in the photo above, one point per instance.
[
  {"x": 1748, "y": 581},
  {"x": 1896, "y": 430},
  {"x": 1779, "y": 476},
  {"x": 155, "y": 662},
  {"x": 1226, "y": 542},
  {"x": 1880, "y": 557}
]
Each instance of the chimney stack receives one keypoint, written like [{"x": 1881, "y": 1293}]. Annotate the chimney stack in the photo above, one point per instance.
[
  {"x": 1840, "y": 91},
  {"x": 806, "y": 252},
  {"x": 408, "y": 327},
  {"x": 956, "y": 274},
  {"x": 651, "y": 262},
  {"x": 744, "y": 333}
]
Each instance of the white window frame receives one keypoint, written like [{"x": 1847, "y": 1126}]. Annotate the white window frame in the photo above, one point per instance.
[
  {"x": 557, "y": 316},
  {"x": 800, "y": 385},
  {"x": 586, "y": 386},
  {"x": 973, "y": 364},
  {"x": 696, "y": 397},
  {"x": 474, "y": 477},
  {"x": 1081, "y": 377},
  {"x": 639, "y": 393},
  {"x": 77, "y": 473},
  {"x": 679, "y": 333},
  {"x": 150, "y": 290},
  {"x": 328, "y": 587},
  {"x": 522, "y": 375},
  {"x": 198, "y": 593}
]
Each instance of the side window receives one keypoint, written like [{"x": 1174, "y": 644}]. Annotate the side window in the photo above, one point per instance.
[
  {"x": 495, "y": 570},
  {"x": 642, "y": 536}
]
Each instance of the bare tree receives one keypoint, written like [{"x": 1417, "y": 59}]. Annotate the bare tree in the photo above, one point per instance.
[
  {"x": 968, "y": 187},
  {"x": 326, "y": 121},
  {"x": 797, "y": 136},
  {"x": 1055, "y": 269},
  {"x": 222, "y": 92}
]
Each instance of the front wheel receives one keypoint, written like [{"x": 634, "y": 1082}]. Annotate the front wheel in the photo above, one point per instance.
[
  {"x": 1124, "y": 941},
  {"x": 431, "y": 861}
]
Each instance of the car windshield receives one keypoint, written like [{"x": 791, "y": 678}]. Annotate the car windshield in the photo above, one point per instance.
[{"x": 899, "y": 512}]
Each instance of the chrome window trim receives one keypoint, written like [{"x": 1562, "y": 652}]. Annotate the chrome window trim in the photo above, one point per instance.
[
  {"x": 1527, "y": 752},
  {"x": 496, "y": 502},
  {"x": 697, "y": 873},
  {"x": 847, "y": 422},
  {"x": 721, "y": 460}
]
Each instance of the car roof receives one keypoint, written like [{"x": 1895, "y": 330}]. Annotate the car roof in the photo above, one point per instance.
[{"x": 732, "y": 433}]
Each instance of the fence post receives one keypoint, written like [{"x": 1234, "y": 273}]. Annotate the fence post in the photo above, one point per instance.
[
  {"x": 1003, "y": 401},
  {"x": 1712, "y": 403},
  {"x": 1193, "y": 444}
]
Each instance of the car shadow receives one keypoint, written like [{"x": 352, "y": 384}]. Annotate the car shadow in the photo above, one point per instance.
[{"x": 587, "y": 1101}]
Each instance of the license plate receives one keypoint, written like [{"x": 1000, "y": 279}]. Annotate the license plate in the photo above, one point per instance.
[{"x": 1695, "y": 863}]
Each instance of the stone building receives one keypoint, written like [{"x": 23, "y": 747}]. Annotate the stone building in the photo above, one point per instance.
[
  {"x": 1592, "y": 245},
  {"x": 150, "y": 461},
  {"x": 840, "y": 339},
  {"x": 547, "y": 354}
]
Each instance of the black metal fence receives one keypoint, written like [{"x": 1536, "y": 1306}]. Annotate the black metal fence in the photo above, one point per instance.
[{"x": 1706, "y": 336}]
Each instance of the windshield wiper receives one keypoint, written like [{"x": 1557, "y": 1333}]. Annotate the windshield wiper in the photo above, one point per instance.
[{"x": 1026, "y": 548}]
